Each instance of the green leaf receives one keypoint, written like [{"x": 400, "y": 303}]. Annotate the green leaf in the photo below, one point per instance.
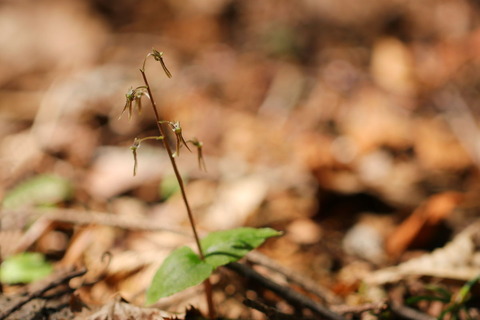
[
  {"x": 45, "y": 189},
  {"x": 417, "y": 299},
  {"x": 439, "y": 291},
  {"x": 24, "y": 268},
  {"x": 182, "y": 269},
  {"x": 227, "y": 246},
  {"x": 464, "y": 294}
]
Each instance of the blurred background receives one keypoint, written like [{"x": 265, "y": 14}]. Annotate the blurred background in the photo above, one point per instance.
[{"x": 335, "y": 121}]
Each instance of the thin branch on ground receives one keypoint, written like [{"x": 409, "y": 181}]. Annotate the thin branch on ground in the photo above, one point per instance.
[
  {"x": 373, "y": 306},
  {"x": 302, "y": 281},
  {"x": 291, "y": 296},
  {"x": 271, "y": 312},
  {"x": 86, "y": 217},
  {"x": 409, "y": 313},
  {"x": 40, "y": 292}
]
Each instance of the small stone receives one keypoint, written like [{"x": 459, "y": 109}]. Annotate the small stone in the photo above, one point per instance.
[
  {"x": 304, "y": 231},
  {"x": 364, "y": 241}
]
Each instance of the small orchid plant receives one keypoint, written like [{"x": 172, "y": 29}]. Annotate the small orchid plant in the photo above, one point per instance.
[{"x": 184, "y": 267}]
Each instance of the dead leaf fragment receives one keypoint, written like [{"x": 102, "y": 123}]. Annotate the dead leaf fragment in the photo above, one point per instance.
[
  {"x": 122, "y": 310},
  {"x": 421, "y": 225},
  {"x": 304, "y": 231},
  {"x": 458, "y": 259},
  {"x": 392, "y": 66}
]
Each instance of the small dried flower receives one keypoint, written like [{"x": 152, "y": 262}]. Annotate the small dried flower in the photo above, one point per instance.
[
  {"x": 136, "y": 145},
  {"x": 158, "y": 56},
  {"x": 179, "y": 137},
  {"x": 201, "y": 160},
  {"x": 134, "y": 100}
]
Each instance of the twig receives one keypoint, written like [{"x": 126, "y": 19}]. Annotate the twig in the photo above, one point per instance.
[
  {"x": 289, "y": 295},
  {"x": 40, "y": 292},
  {"x": 302, "y": 281},
  {"x": 270, "y": 312},
  {"x": 373, "y": 306},
  {"x": 84, "y": 217},
  {"x": 44, "y": 219},
  {"x": 409, "y": 313}
]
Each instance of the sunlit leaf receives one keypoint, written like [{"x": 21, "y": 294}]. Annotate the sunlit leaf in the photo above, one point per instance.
[
  {"x": 45, "y": 189},
  {"x": 182, "y": 269},
  {"x": 227, "y": 246},
  {"x": 24, "y": 268}
]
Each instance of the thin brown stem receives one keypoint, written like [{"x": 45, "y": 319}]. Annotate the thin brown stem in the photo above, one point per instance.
[
  {"x": 174, "y": 166},
  {"x": 207, "y": 283}
]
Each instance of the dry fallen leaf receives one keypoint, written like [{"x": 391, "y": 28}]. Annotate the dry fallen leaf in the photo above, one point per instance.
[
  {"x": 392, "y": 66},
  {"x": 119, "y": 309},
  {"x": 422, "y": 224},
  {"x": 458, "y": 259}
]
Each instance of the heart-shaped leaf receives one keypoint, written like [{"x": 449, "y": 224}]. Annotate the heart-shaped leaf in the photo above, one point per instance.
[
  {"x": 182, "y": 269},
  {"x": 222, "y": 247}
]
